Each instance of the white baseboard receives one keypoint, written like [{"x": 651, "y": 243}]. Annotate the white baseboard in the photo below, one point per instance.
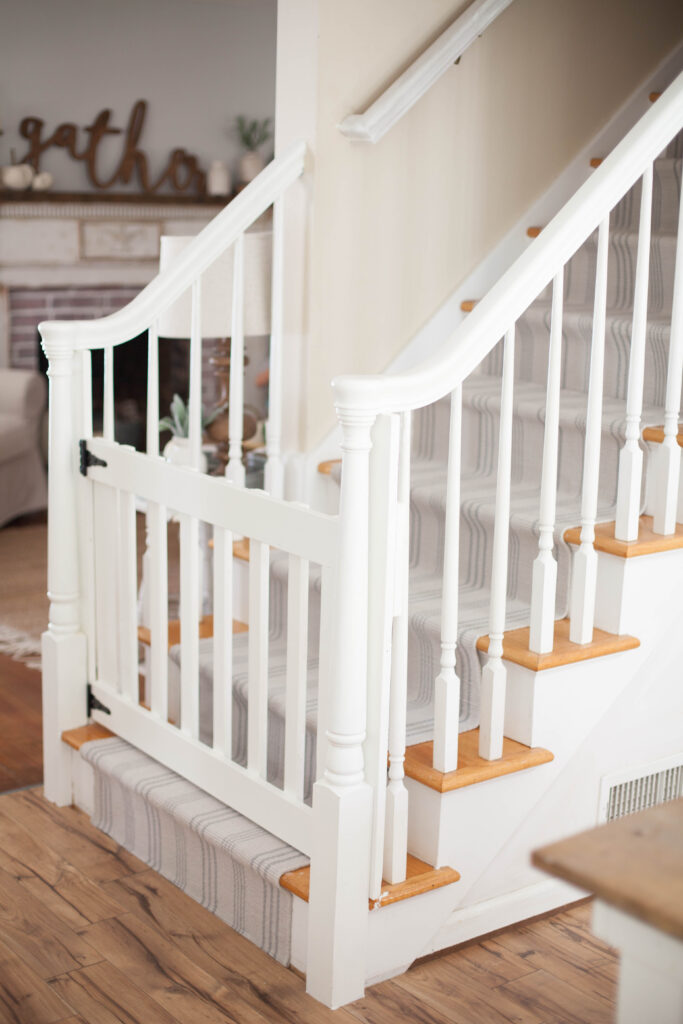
[{"x": 482, "y": 918}]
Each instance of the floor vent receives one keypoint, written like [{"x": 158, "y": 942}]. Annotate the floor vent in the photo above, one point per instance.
[{"x": 639, "y": 788}]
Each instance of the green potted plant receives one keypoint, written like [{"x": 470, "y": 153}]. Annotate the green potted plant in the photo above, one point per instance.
[
  {"x": 252, "y": 134},
  {"x": 177, "y": 450}
]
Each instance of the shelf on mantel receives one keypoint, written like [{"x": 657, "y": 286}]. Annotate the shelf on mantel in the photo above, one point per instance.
[{"x": 166, "y": 199}]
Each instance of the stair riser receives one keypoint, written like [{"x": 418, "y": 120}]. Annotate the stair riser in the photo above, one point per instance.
[{"x": 531, "y": 354}]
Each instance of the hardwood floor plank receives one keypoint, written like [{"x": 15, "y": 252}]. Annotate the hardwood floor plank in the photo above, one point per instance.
[
  {"x": 167, "y": 975},
  {"x": 445, "y": 984},
  {"x": 492, "y": 964},
  {"x": 34, "y": 933},
  {"x": 218, "y": 949},
  {"x": 104, "y": 995},
  {"x": 582, "y": 976},
  {"x": 24, "y": 997},
  {"x": 70, "y": 834},
  {"x": 558, "y": 1002},
  {"x": 389, "y": 1002}
]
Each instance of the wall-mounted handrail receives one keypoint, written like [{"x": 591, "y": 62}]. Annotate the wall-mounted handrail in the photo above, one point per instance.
[
  {"x": 174, "y": 281},
  {"x": 522, "y": 283},
  {"x": 416, "y": 80}
]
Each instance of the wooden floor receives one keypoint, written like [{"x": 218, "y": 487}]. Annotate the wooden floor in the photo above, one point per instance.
[
  {"x": 89, "y": 934},
  {"x": 21, "y": 742}
]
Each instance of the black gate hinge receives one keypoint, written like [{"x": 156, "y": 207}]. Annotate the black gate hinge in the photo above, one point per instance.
[
  {"x": 87, "y": 458},
  {"x": 94, "y": 704}
]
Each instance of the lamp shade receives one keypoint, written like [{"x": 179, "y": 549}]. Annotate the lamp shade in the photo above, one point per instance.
[{"x": 217, "y": 289}]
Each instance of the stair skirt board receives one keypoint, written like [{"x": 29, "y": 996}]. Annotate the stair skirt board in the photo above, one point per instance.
[{"x": 217, "y": 856}]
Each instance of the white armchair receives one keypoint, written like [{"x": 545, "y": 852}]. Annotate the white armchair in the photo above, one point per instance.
[{"x": 23, "y": 483}]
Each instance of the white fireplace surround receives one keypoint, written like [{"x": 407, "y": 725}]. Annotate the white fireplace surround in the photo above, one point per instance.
[{"x": 72, "y": 244}]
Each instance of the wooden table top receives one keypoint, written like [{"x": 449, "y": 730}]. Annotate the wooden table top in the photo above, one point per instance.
[{"x": 634, "y": 863}]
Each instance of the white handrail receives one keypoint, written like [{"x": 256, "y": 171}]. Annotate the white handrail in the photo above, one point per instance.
[
  {"x": 160, "y": 293},
  {"x": 522, "y": 283},
  {"x": 422, "y": 73}
]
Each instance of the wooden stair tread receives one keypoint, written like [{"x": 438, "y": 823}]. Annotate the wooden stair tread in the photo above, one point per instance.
[
  {"x": 205, "y": 630},
  {"x": 533, "y": 232},
  {"x": 467, "y": 305},
  {"x": 648, "y": 543},
  {"x": 656, "y": 434},
  {"x": 654, "y": 96},
  {"x": 564, "y": 652},
  {"x": 471, "y": 768},
  {"x": 75, "y": 738},
  {"x": 325, "y": 468},
  {"x": 634, "y": 863},
  {"x": 420, "y": 878},
  {"x": 240, "y": 549},
  {"x": 596, "y": 161}
]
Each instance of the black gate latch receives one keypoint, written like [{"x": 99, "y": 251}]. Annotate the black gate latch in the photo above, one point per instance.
[
  {"x": 87, "y": 458},
  {"x": 94, "y": 704}
]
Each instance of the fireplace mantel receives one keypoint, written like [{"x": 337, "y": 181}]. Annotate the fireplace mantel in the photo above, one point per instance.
[{"x": 87, "y": 240}]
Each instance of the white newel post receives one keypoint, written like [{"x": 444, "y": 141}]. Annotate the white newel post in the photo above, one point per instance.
[
  {"x": 342, "y": 799},
  {"x": 63, "y": 643}
]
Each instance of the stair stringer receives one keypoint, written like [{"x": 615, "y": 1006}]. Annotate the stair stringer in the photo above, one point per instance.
[{"x": 643, "y": 723}]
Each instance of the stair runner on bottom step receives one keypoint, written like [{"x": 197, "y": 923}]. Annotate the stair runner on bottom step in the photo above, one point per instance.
[
  {"x": 481, "y": 411},
  {"x": 218, "y": 857}
]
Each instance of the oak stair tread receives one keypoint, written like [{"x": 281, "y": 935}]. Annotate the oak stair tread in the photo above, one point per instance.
[
  {"x": 420, "y": 878},
  {"x": 648, "y": 542},
  {"x": 467, "y": 305},
  {"x": 325, "y": 468},
  {"x": 564, "y": 652},
  {"x": 205, "y": 630},
  {"x": 75, "y": 738},
  {"x": 534, "y": 232},
  {"x": 471, "y": 767},
  {"x": 656, "y": 434}
]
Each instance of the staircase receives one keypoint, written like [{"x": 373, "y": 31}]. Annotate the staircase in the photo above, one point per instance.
[{"x": 491, "y": 612}]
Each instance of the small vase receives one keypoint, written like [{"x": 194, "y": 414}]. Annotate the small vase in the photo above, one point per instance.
[
  {"x": 177, "y": 451},
  {"x": 251, "y": 164},
  {"x": 218, "y": 179}
]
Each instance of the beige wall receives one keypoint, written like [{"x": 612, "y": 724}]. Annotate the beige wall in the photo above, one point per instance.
[{"x": 396, "y": 226}]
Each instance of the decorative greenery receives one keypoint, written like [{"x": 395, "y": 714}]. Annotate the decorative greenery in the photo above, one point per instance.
[
  {"x": 253, "y": 134},
  {"x": 179, "y": 420}
]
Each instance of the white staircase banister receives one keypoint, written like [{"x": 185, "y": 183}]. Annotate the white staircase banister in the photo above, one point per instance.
[
  {"x": 169, "y": 285},
  {"x": 422, "y": 73},
  {"x": 521, "y": 284}
]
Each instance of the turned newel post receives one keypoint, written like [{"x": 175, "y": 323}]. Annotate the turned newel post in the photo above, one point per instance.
[
  {"x": 63, "y": 643},
  {"x": 342, "y": 799}
]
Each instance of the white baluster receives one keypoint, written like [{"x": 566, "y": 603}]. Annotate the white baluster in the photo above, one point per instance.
[
  {"x": 152, "y": 445},
  {"x": 63, "y": 644},
  {"x": 274, "y": 474},
  {"x": 631, "y": 455},
  {"x": 126, "y": 628},
  {"x": 189, "y": 618},
  {"x": 195, "y": 403},
  {"x": 234, "y": 471},
  {"x": 257, "y": 738},
  {"x": 382, "y": 607},
  {"x": 342, "y": 799},
  {"x": 668, "y": 454},
  {"x": 85, "y": 519},
  {"x": 447, "y": 685},
  {"x": 585, "y": 563},
  {"x": 297, "y": 670},
  {"x": 152, "y": 391},
  {"x": 157, "y": 582},
  {"x": 327, "y": 667},
  {"x": 396, "y": 827},
  {"x": 222, "y": 641},
  {"x": 106, "y": 526},
  {"x": 108, "y": 395},
  {"x": 494, "y": 676},
  {"x": 544, "y": 579}
]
